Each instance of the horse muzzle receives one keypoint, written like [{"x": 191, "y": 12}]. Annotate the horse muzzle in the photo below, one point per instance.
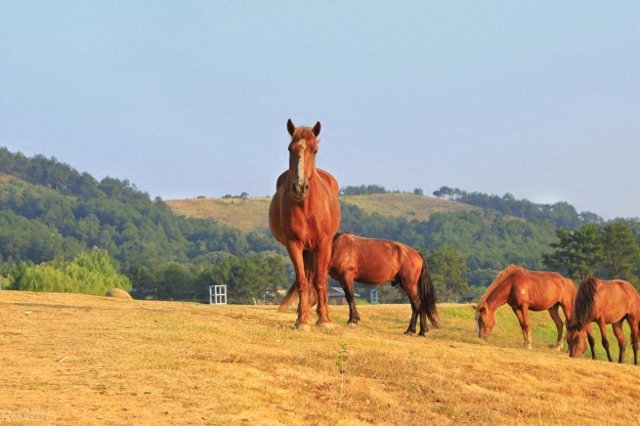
[{"x": 299, "y": 190}]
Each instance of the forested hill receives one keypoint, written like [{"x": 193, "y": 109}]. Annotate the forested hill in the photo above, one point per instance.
[
  {"x": 469, "y": 237},
  {"x": 561, "y": 214},
  {"x": 48, "y": 210},
  {"x": 51, "y": 212}
]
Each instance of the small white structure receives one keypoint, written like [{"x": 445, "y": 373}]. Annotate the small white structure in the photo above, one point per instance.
[
  {"x": 373, "y": 296},
  {"x": 218, "y": 294}
]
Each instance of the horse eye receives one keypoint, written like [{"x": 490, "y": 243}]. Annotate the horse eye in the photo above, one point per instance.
[{"x": 315, "y": 152}]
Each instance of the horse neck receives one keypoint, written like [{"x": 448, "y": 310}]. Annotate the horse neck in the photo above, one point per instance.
[{"x": 498, "y": 296}]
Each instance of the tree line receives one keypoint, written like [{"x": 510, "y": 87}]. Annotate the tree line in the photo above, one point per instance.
[
  {"x": 609, "y": 251},
  {"x": 561, "y": 214},
  {"x": 51, "y": 214}
]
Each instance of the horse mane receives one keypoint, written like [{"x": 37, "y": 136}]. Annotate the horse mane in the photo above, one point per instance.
[
  {"x": 584, "y": 302},
  {"x": 503, "y": 275}
]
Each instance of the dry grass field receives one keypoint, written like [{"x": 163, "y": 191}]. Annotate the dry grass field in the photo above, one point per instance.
[
  {"x": 408, "y": 206},
  {"x": 77, "y": 359},
  {"x": 245, "y": 214},
  {"x": 252, "y": 213}
]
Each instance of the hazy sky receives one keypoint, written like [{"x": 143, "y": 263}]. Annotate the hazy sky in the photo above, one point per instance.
[{"x": 540, "y": 99}]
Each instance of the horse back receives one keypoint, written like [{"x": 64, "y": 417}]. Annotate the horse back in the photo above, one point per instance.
[
  {"x": 616, "y": 299},
  {"x": 539, "y": 290},
  {"x": 372, "y": 260}
]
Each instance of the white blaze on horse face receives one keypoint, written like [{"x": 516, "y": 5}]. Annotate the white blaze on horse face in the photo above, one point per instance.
[{"x": 300, "y": 171}]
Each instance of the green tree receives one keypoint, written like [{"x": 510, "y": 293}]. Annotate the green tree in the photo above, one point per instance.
[
  {"x": 621, "y": 251},
  {"x": 177, "y": 282},
  {"x": 579, "y": 253},
  {"x": 91, "y": 272},
  {"x": 448, "y": 268}
]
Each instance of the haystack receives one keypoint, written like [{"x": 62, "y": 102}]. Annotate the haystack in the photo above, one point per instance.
[{"x": 118, "y": 293}]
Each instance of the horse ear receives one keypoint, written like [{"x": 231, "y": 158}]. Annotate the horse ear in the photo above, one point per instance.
[
  {"x": 290, "y": 127},
  {"x": 316, "y": 129}
]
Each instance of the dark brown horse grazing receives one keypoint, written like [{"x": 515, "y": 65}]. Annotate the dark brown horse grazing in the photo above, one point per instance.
[
  {"x": 604, "y": 302},
  {"x": 304, "y": 216},
  {"x": 375, "y": 261},
  {"x": 526, "y": 291}
]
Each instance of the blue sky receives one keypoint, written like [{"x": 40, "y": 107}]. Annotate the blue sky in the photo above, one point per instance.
[{"x": 186, "y": 98}]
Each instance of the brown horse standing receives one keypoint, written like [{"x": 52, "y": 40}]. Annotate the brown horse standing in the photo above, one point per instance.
[
  {"x": 526, "y": 291},
  {"x": 604, "y": 302},
  {"x": 304, "y": 215},
  {"x": 376, "y": 261}
]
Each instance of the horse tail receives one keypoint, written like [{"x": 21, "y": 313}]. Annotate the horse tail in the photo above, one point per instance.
[
  {"x": 583, "y": 306},
  {"x": 427, "y": 293},
  {"x": 288, "y": 298},
  {"x": 309, "y": 272}
]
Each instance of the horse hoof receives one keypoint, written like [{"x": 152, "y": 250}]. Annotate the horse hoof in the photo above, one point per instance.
[
  {"x": 528, "y": 346},
  {"x": 409, "y": 333},
  {"x": 326, "y": 325},
  {"x": 303, "y": 327},
  {"x": 352, "y": 324}
]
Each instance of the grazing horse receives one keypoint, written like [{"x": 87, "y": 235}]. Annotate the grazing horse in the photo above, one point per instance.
[
  {"x": 525, "y": 291},
  {"x": 304, "y": 215},
  {"x": 375, "y": 261},
  {"x": 604, "y": 302}
]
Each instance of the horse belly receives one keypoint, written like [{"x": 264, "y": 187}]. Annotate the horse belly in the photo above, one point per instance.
[
  {"x": 373, "y": 269},
  {"x": 614, "y": 310},
  {"x": 536, "y": 298}
]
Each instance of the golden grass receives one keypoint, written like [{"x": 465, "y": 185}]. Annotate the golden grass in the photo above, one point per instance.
[
  {"x": 77, "y": 359},
  {"x": 245, "y": 214},
  {"x": 250, "y": 214},
  {"x": 409, "y": 206}
]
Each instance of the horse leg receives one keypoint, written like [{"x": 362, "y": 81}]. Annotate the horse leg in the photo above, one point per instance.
[
  {"x": 592, "y": 342},
  {"x": 605, "y": 341},
  {"x": 567, "y": 310},
  {"x": 527, "y": 330},
  {"x": 322, "y": 258},
  {"x": 423, "y": 323},
  {"x": 520, "y": 320},
  {"x": 622, "y": 342},
  {"x": 523, "y": 318},
  {"x": 414, "y": 299},
  {"x": 347, "y": 285},
  {"x": 412, "y": 290},
  {"x": 633, "y": 324},
  {"x": 555, "y": 316},
  {"x": 302, "y": 284},
  {"x": 412, "y": 322}
]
